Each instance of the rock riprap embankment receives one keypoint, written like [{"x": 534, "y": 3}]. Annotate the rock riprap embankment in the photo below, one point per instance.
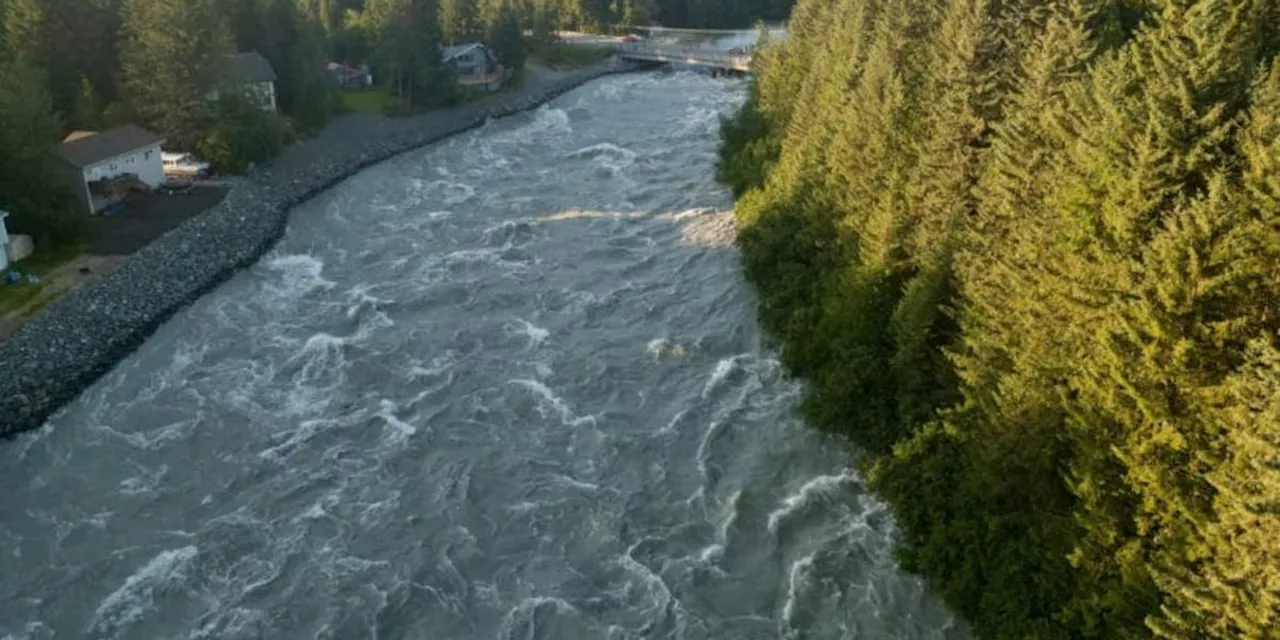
[{"x": 81, "y": 336}]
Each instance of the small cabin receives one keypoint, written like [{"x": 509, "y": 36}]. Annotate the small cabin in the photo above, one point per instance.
[{"x": 475, "y": 66}]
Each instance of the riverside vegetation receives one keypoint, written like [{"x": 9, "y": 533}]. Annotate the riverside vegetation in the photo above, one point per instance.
[
  {"x": 1027, "y": 253},
  {"x": 94, "y": 64}
]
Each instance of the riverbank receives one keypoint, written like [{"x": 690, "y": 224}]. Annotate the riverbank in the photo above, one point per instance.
[{"x": 84, "y": 334}]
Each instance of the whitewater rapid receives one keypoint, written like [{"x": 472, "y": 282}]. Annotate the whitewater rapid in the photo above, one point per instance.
[{"x": 507, "y": 386}]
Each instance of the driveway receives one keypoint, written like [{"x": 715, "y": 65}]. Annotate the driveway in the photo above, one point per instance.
[{"x": 149, "y": 216}]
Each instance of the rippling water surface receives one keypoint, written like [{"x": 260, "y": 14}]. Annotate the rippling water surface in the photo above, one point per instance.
[{"x": 508, "y": 386}]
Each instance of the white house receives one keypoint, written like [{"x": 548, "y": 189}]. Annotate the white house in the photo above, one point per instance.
[
  {"x": 255, "y": 73},
  {"x": 104, "y": 162}
]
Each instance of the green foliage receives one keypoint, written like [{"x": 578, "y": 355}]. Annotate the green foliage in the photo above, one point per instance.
[
  {"x": 505, "y": 38},
  {"x": 1025, "y": 253},
  {"x": 242, "y": 134},
  {"x": 405, "y": 39},
  {"x": 459, "y": 21},
  {"x": 175, "y": 54},
  {"x": 558, "y": 55},
  {"x": 748, "y": 150},
  {"x": 34, "y": 184},
  {"x": 69, "y": 40}
]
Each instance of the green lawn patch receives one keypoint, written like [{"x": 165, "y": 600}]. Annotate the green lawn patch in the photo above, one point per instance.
[
  {"x": 570, "y": 56},
  {"x": 39, "y": 264},
  {"x": 376, "y": 99}
]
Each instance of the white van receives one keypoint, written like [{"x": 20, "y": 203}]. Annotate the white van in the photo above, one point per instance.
[{"x": 183, "y": 164}]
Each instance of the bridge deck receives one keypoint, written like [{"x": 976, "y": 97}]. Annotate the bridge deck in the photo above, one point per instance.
[{"x": 684, "y": 54}]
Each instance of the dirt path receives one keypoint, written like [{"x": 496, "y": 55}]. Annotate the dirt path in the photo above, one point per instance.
[{"x": 55, "y": 283}]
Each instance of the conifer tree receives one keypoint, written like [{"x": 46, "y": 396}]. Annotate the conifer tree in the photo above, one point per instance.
[
  {"x": 86, "y": 112},
  {"x": 505, "y": 38},
  {"x": 1106, "y": 233},
  {"x": 1231, "y": 591},
  {"x": 32, "y": 188},
  {"x": 459, "y": 21},
  {"x": 176, "y": 53}
]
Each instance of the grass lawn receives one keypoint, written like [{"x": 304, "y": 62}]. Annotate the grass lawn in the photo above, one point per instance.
[
  {"x": 569, "y": 56},
  {"x": 375, "y": 99},
  {"x": 16, "y": 296}
]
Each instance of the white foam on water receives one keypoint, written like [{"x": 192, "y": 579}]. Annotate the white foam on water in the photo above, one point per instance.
[
  {"x": 537, "y": 335},
  {"x": 655, "y": 347},
  {"x": 147, "y": 482},
  {"x": 655, "y": 587},
  {"x": 713, "y": 551},
  {"x": 548, "y": 118},
  {"x": 573, "y": 482},
  {"x": 318, "y": 368},
  {"x": 607, "y": 155},
  {"x": 185, "y": 356},
  {"x": 659, "y": 347},
  {"x": 797, "y": 579},
  {"x": 816, "y": 488},
  {"x": 401, "y": 430},
  {"x": 306, "y": 430},
  {"x": 577, "y": 214},
  {"x": 152, "y": 439},
  {"x": 137, "y": 595},
  {"x": 440, "y": 364},
  {"x": 300, "y": 273},
  {"x": 670, "y": 427},
  {"x": 549, "y": 398},
  {"x": 704, "y": 454},
  {"x": 472, "y": 257},
  {"x": 451, "y": 193},
  {"x": 231, "y": 623},
  {"x": 525, "y": 610},
  {"x": 723, "y": 368},
  {"x": 707, "y": 227}
]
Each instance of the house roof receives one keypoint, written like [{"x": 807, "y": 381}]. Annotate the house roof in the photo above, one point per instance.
[
  {"x": 250, "y": 66},
  {"x": 335, "y": 67},
  {"x": 76, "y": 135},
  {"x": 453, "y": 51},
  {"x": 84, "y": 150}
]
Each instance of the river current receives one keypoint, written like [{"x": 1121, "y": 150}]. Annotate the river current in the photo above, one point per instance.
[{"x": 507, "y": 386}]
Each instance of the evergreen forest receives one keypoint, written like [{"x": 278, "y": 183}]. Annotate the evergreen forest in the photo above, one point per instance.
[
  {"x": 1027, "y": 255},
  {"x": 95, "y": 64}
]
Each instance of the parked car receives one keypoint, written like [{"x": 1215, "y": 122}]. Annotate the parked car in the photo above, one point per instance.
[
  {"x": 183, "y": 164},
  {"x": 631, "y": 37}
]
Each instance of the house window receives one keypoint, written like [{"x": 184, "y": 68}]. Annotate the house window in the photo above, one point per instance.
[
  {"x": 113, "y": 166},
  {"x": 146, "y": 155}
]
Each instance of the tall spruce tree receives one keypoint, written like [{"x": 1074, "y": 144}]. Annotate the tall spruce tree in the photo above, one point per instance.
[
  {"x": 176, "y": 52},
  {"x": 1060, "y": 201},
  {"x": 459, "y": 21},
  {"x": 32, "y": 187}
]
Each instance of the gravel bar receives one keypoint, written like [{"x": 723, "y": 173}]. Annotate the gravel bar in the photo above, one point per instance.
[{"x": 81, "y": 336}]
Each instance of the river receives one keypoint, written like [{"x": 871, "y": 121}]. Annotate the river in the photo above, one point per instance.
[{"x": 507, "y": 386}]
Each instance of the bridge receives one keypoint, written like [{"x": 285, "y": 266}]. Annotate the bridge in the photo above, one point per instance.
[{"x": 646, "y": 51}]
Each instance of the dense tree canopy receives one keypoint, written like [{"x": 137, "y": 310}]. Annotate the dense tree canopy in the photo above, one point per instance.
[
  {"x": 32, "y": 186},
  {"x": 167, "y": 65},
  {"x": 1026, "y": 252}
]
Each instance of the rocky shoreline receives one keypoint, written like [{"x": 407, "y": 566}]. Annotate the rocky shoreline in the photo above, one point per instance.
[{"x": 81, "y": 336}]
